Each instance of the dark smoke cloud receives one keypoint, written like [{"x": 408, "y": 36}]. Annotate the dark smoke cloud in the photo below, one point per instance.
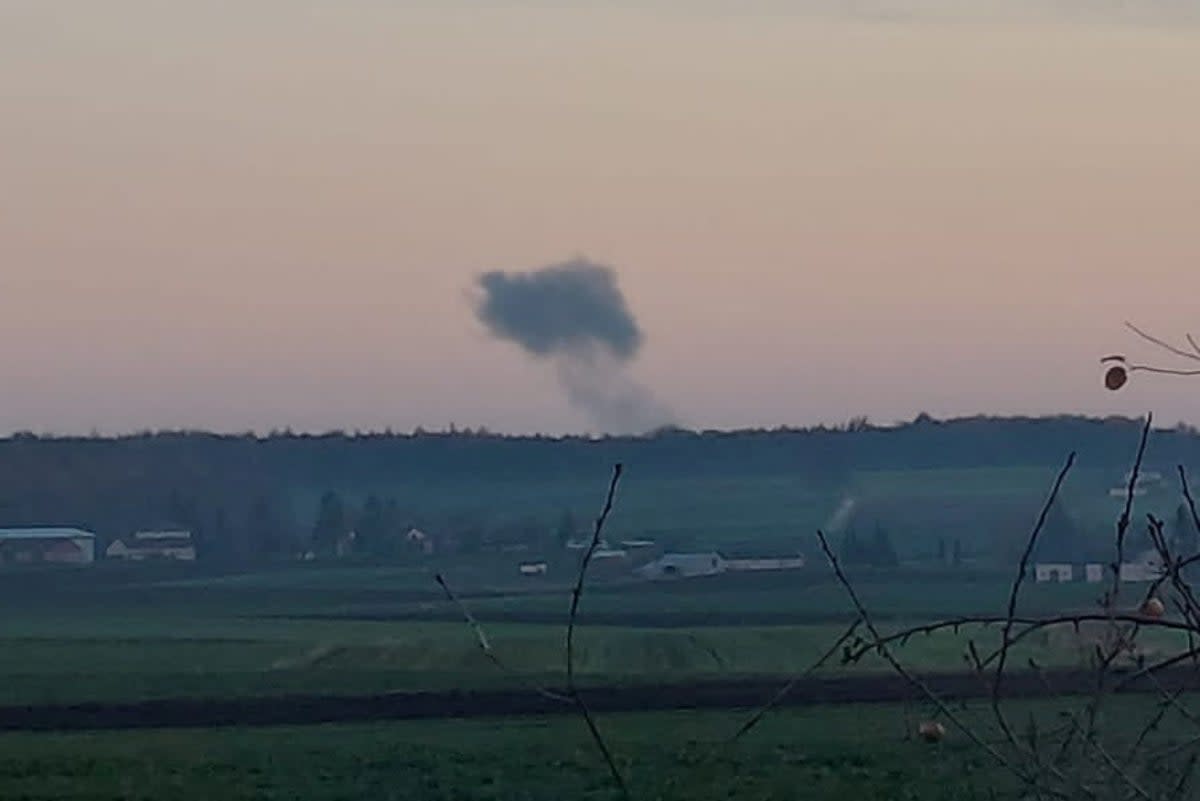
[
  {"x": 563, "y": 307},
  {"x": 574, "y": 315}
]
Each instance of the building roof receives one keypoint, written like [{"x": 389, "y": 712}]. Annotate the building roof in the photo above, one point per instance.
[
  {"x": 45, "y": 533},
  {"x": 163, "y": 534},
  {"x": 154, "y": 544},
  {"x": 705, "y": 559}
]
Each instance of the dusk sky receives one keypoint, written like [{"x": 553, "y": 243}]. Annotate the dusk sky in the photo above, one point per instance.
[{"x": 271, "y": 213}]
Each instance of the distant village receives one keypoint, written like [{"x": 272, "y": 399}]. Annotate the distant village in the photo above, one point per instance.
[
  {"x": 636, "y": 558},
  {"x": 1059, "y": 559}
]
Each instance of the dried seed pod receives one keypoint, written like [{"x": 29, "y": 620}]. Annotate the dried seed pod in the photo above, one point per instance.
[
  {"x": 931, "y": 731},
  {"x": 1115, "y": 377}
]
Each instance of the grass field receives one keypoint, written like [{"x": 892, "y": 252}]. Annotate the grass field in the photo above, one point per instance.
[
  {"x": 835, "y": 753},
  {"x": 128, "y": 633},
  {"x": 829, "y": 753},
  {"x": 255, "y": 634}
]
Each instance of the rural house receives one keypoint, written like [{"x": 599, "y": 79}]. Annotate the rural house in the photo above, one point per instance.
[
  {"x": 683, "y": 565},
  {"x": 40, "y": 545},
  {"x": 1053, "y": 572},
  {"x": 168, "y": 545},
  {"x": 1146, "y": 568},
  {"x": 533, "y": 568},
  {"x": 419, "y": 540},
  {"x": 741, "y": 563}
]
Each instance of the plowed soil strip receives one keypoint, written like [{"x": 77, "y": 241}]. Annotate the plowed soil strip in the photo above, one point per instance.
[{"x": 741, "y": 694}]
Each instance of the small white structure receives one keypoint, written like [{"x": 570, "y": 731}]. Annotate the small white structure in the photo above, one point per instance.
[
  {"x": 683, "y": 565},
  {"x": 603, "y": 553},
  {"x": 1140, "y": 572},
  {"x": 583, "y": 545},
  {"x": 70, "y": 546},
  {"x": 533, "y": 568},
  {"x": 1147, "y": 479},
  {"x": 637, "y": 545},
  {"x": 766, "y": 563},
  {"x": 172, "y": 545},
  {"x": 1093, "y": 573},
  {"x": 1055, "y": 572},
  {"x": 420, "y": 540}
]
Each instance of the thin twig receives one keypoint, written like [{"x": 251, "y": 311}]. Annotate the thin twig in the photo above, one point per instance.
[
  {"x": 486, "y": 646},
  {"x": 1167, "y": 346},
  {"x": 1145, "y": 368},
  {"x": 1191, "y": 502},
  {"x": 1030, "y": 626},
  {"x": 903, "y": 672},
  {"x": 1124, "y": 520},
  {"x": 576, "y": 594},
  {"x": 1022, "y": 569},
  {"x": 778, "y": 698}
]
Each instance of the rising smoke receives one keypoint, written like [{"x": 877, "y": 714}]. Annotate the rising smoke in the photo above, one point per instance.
[{"x": 574, "y": 316}]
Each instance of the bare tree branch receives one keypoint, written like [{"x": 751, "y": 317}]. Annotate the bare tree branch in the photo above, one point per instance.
[
  {"x": 486, "y": 646},
  {"x": 1124, "y": 520},
  {"x": 576, "y": 595},
  {"x": 1167, "y": 346},
  {"x": 903, "y": 672},
  {"x": 1022, "y": 570},
  {"x": 779, "y": 697}
]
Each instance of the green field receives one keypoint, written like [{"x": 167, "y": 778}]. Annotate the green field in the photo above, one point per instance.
[
  {"x": 839, "y": 753},
  {"x": 130, "y": 633},
  {"x": 833, "y": 753},
  {"x": 117, "y": 636}
]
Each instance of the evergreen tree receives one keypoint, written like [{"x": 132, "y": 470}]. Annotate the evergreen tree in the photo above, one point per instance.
[
  {"x": 958, "y": 554},
  {"x": 330, "y": 525},
  {"x": 883, "y": 553},
  {"x": 566, "y": 529},
  {"x": 1187, "y": 537},
  {"x": 265, "y": 531},
  {"x": 854, "y": 550},
  {"x": 371, "y": 530},
  {"x": 222, "y": 536},
  {"x": 941, "y": 550},
  {"x": 1059, "y": 540}
]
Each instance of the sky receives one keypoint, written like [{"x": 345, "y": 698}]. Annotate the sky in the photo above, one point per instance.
[{"x": 271, "y": 213}]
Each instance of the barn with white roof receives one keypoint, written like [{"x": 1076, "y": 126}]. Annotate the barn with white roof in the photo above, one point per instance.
[{"x": 38, "y": 545}]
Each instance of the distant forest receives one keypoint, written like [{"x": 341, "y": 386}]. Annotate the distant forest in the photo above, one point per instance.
[{"x": 239, "y": 493}]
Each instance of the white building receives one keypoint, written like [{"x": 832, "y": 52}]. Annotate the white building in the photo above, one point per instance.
[
  {"x": 419, "y": 540},
  {"x": 684, "y": 565},
  {"x": 1145, "y": 568},
  {"x": 54, "y": 545},
  {"x": 533, "y": 568},
  {"x": 168, "y": 545},
  {"x": 1055, "y": 572},
  {"x": 766, "y": 563}
]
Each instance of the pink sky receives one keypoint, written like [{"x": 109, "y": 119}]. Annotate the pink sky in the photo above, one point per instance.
[{"x": 266, "y": 214}]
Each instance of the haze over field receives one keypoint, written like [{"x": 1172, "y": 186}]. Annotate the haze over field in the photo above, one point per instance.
[{"x": 270, "y": 214}]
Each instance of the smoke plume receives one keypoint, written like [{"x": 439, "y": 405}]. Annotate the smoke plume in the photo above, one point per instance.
[{"x": 574, "y": 316}]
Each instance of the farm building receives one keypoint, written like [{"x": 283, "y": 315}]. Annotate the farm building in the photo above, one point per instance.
[
  {"x": 610, "y": 563},
  {"x": 1140, "y": 572},
  {"x": 683, "y": 565},
  {"x": 419, "y": 540},
  {"x": 1054, "y": 572},
  {"x": 1144, "y": 569},
  {"x": 756, "y": 563},
  {"x": 40, "y": 545},
  {"x": 169, "y": 545}
]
